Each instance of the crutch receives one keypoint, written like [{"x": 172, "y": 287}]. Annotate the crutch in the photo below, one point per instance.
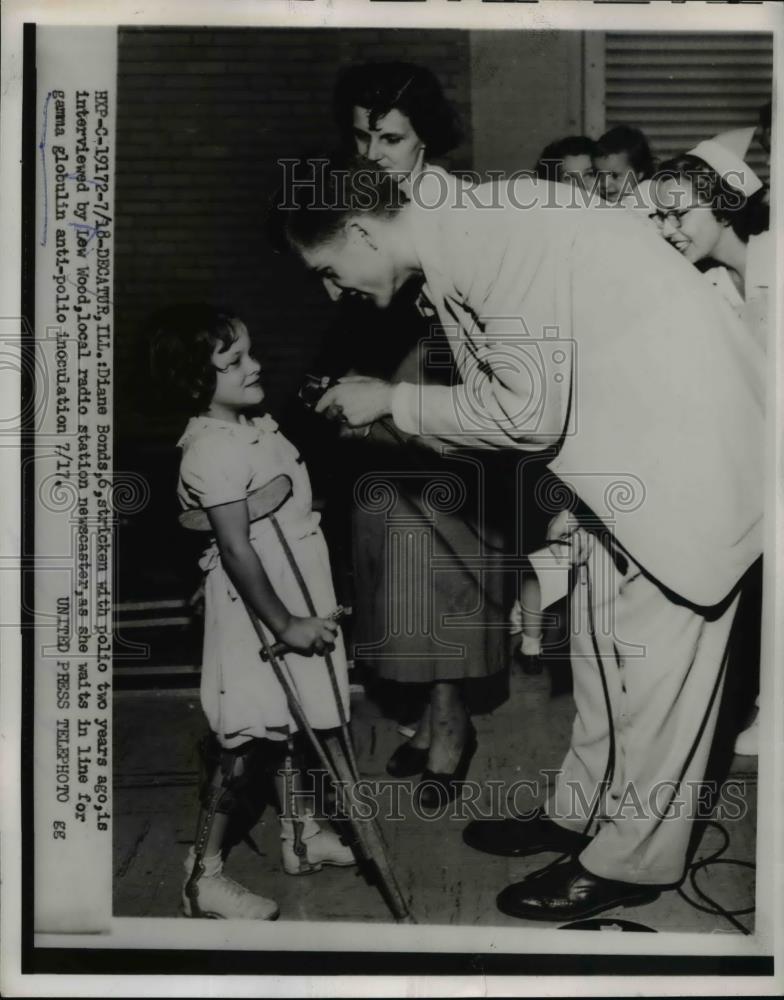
[
  {"x": 340, "y": 749},
  {"x": 344, "y": 777},
  {"x": 339, "y": 763}
]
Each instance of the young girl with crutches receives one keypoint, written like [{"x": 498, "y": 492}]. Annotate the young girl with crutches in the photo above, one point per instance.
[{"x": 229, "y": 456}]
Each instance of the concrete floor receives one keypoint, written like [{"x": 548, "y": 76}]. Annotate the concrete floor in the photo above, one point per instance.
[{"x": 156, "y": 774}]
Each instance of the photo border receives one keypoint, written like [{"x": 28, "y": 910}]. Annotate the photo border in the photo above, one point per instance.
[{"x": 77, "y": 959}]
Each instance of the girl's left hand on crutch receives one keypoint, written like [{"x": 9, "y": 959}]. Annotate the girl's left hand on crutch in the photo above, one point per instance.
[{"x": 309, "y": 635}]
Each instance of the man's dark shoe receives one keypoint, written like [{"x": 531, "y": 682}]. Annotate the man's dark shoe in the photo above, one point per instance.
[
  {"x": 570, "y": 892},
  {"x": 517, "y": 838}
]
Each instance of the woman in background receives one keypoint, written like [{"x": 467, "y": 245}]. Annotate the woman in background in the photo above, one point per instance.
[
  {"x": 570, "y": 161},
  {"x": 395, "y": 116},
  {"x": 714, "y": 210},
  {"x": 624, "y": 164}
]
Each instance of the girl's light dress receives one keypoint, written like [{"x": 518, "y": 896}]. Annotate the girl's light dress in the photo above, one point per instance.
[{"x": 241, "y": 697}]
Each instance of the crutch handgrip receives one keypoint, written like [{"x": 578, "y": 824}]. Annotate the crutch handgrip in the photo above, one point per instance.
[{"x": 280, "y": 648}]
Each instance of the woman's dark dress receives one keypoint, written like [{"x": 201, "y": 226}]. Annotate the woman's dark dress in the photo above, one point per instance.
[{"x": 429, "y": 605}]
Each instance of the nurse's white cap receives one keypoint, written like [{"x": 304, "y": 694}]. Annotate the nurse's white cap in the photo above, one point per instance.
[{"x": 725, "y": 152}]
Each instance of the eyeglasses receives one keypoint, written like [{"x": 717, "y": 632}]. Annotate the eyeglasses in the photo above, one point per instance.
[{"x": 674, "y": 218}]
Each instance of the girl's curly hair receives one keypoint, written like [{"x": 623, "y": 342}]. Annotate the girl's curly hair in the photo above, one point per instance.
[{"x": 182, "y": 341}]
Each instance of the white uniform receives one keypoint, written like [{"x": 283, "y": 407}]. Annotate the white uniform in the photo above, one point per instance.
[
  {"x": 641, "y": 203},
  {"x": 655, "y": 389},
  {"x": 223, "y": 462},
  {"x": 753, "y": 308}
]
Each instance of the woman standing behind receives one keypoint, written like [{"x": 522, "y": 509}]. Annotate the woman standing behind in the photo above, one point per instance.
[
  {"x": 395, "y": 115},
  {"x": 714, "y": 210}
]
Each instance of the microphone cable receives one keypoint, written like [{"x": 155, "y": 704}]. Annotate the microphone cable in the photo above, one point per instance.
[
  {"x": 609, "y": 770},
  {"x": 713, "y": 907},
  {"x": 708, "y": 904}
]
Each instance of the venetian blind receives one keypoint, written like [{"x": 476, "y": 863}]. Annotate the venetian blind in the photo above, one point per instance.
[{"x": 680, "y": 88}]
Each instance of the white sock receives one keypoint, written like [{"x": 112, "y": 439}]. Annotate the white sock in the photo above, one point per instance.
[
  {"x": 532, "y": 645},
  {"x": 213, "y": 863}
]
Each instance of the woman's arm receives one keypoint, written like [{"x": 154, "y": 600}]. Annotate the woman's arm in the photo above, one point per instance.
[{"x": 231, "y": 526}]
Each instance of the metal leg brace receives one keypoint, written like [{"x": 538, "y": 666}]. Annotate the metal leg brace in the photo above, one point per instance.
[
  {"x": 219, "y": 792},
  {"x": 289, "y": 805}
]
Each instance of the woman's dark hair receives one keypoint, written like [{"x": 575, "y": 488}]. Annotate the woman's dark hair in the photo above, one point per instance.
[
  {"x": 625, "y": 139},
  {"x": 747, "y": 215},
  {"x": 549, "y": 164},
  {"x": 412, "y": 90},
  {"x": 182, "y": 341}
]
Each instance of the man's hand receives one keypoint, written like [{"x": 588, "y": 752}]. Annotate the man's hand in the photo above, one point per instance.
[
  {"x": 564, "y": 530},
  {"x": 356, "y": 401}
]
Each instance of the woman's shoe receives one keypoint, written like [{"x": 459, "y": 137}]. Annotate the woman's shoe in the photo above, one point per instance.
[
  {"x": 531, "y": 663},
  {"x": 407, "y": 761},
  {"x": 438, "y": 789}
]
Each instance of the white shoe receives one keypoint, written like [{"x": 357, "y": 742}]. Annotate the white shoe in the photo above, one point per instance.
[
  {"x": 747, "y": 742},
  {"x": 221, "y": 898},
  {"x": 318, "y": 846}
]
